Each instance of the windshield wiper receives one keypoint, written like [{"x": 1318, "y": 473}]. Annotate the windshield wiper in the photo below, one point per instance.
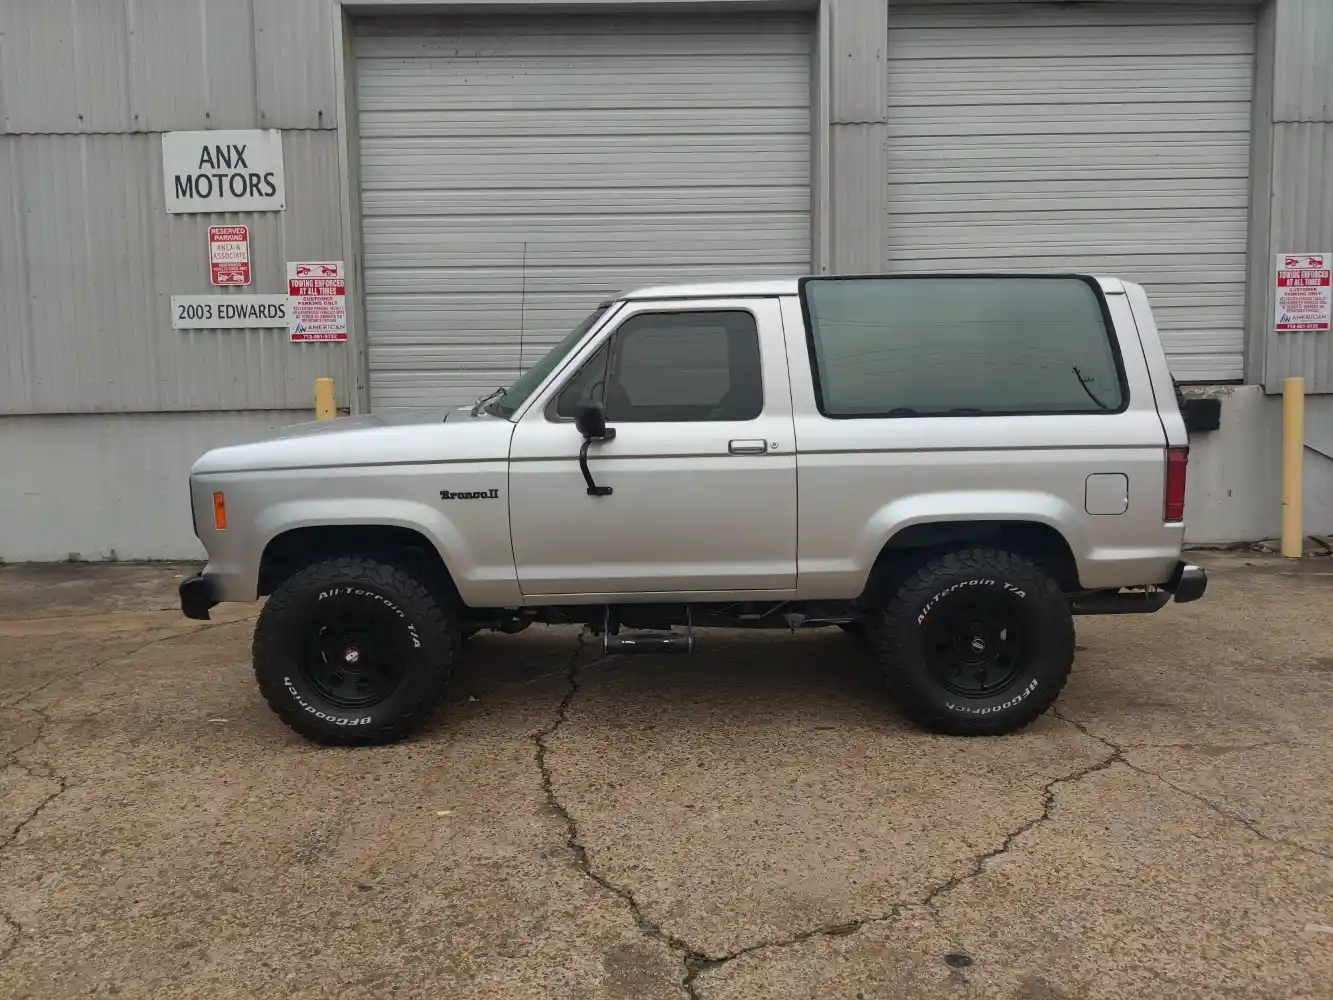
[{"x": 490, "y": 397}]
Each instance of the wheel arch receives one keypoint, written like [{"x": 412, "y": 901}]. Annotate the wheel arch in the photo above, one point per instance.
[
  {"x": 294, "y": 548},
  {"x": 1038, "y": 526}
]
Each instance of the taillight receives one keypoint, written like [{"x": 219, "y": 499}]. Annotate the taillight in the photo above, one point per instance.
[{"x": 1177, "y": 460}]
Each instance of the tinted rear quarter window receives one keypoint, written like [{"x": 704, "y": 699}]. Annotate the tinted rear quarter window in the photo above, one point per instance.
[{"x": 961, "y": 346}]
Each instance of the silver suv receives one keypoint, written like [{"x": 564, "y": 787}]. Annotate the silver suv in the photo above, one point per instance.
[{"x": 946, "y": 467}]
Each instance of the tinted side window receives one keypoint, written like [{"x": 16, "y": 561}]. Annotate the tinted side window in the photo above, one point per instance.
[
  {"x": 961, "y": 346},
  {"x": 689, "y": 366}
]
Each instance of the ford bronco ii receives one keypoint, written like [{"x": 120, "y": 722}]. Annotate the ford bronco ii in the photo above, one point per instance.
[{"x": 947, "y": 467}]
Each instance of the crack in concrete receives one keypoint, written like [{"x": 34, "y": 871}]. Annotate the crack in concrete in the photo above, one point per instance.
[
  {"x": 12, "y": 836},
  {"x": 1207, "y": 749},
  {"x": 18, "y": 933},
  {"x": 572, "y": 838},
  {"x": 36, "y": 811},
  {"x": 120, "y": 656},
  {"x": 12, "y": 756},
  {"x": 1203, "y": 800},
  {"x": 697, "y": 962},
  {"x": 1047, "y": 810}
]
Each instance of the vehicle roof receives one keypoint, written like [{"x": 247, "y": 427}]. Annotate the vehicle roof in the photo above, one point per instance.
[{"x": 787, "y": 286}]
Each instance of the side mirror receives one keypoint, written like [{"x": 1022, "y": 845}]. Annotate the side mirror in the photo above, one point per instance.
[{"x": 590, "y": 419}]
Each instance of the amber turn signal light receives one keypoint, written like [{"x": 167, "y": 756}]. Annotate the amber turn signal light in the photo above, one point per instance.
[{"x": 219, "y": 512}]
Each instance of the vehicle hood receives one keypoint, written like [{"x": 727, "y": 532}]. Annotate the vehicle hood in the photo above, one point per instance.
[{"x": 368, "y": 439}]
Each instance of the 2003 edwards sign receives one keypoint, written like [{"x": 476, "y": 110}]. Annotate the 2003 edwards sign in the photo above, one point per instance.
[
  {"x": 227, "y": 170},
  {"x": 222, "y": 312}
]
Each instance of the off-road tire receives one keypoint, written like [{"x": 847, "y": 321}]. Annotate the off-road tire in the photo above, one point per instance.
[
  {"x": 427, "y": 643},
  {"x": 981, "y": 575}
]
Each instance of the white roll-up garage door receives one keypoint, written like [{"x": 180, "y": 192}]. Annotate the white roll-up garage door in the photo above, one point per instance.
[
  {"x": 514, "y": 172},
  {"x": 1112, "y": 138}
]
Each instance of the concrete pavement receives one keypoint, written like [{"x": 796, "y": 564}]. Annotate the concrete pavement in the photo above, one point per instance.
[{"x": 755, "y": 821}]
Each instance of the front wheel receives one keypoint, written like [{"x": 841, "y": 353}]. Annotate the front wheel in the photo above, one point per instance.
[
  {"x": 976, "y": 641},
  {"x": 353, "y": 651}
]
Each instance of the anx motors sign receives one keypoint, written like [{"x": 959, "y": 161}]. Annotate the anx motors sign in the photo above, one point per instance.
[{"x": 236, "y": 170}]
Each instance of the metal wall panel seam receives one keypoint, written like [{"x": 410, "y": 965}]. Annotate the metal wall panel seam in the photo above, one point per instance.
[
  {"x": 349, "y": 163},
  {"x": 90, "y": 286},
  {"x": 1257, "y": 324},
  {"x": 1302, "y": 221},
  {"x": 71, "y": 66}
]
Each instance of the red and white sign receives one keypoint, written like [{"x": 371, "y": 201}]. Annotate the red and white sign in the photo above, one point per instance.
[
  {"x": 229, "y": 254},
  {"x": 1304, "y": 293},
  {"x": 316, "y": 301}
]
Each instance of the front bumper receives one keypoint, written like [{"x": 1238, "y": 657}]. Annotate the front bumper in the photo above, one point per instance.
[
  {"x": 1187, "y": 583},
  {"x": 198, "y": 596}
]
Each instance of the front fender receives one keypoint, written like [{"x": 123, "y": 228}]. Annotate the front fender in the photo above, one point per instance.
[{"x": 482, "y": 569}]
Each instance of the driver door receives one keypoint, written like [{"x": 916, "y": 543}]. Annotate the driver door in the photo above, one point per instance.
[{"x": 702, "y": 468}]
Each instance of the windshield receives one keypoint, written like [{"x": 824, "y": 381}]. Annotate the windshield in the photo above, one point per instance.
[{"x": 526, "y": 383}]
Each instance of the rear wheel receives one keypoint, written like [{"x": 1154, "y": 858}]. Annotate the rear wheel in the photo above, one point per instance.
[
  {"x": 353, "y": 651},
  {"x": 978, "y": 641}
]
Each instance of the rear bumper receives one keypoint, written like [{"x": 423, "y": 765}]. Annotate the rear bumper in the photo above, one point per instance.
[
  {"x": 1188, "y": 583},
  {"x": 198, "y": 597}
]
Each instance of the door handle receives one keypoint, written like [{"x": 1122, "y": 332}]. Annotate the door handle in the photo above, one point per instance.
[{"x": 757, "y": 446}]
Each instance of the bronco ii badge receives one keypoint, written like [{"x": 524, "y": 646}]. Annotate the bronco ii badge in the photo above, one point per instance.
[{"x": 474, "y": 495}]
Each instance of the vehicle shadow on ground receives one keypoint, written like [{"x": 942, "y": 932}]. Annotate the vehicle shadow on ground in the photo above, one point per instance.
[{"x": 816, "y": 675}]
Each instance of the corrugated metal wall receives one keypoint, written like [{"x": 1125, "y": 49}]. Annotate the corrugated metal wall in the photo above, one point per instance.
[
  {"x": 116, "y": 401},
  {"x": 165, "y": 65},
  {"x": 88, "y": 255},
  {"x": 112, "y": 486},
  {"x": 1301, "y": 167},
  {"x": 89, "y": 259}
]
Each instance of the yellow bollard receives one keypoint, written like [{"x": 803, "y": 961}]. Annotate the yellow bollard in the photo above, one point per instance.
[
  {"x": 325, "y": 408},
  {"x": 1293, "y": 458}
]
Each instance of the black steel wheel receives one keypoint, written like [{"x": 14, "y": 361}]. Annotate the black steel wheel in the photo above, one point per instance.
[
  {"x": 974, "y": 645},
  {"x": 976, "y": 641},
  {"x": 354, "y": 651}
]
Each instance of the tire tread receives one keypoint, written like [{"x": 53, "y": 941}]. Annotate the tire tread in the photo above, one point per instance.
[
  {"x": 433, "y": 625},
  {"x": 898, "y": 618}
]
